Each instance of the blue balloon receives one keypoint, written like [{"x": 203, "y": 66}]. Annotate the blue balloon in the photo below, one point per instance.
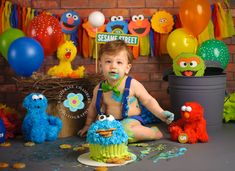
[{"x": 25, "y": 56}]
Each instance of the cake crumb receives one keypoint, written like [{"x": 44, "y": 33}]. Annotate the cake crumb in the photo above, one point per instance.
[{"x": 101, "y": 168}]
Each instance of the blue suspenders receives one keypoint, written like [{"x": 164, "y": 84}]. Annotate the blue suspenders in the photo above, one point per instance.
[
  {"x": 98, "y": 100},
  {"x": 124, "y": 98}
]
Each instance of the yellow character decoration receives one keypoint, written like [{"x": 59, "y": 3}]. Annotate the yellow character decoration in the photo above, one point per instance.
[
  {"x": 140, "y": 26},
  {"x": 162, "y": 22},
  {"x": 66, "y": 53}
]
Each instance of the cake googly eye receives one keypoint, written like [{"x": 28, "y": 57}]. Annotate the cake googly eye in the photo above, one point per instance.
[
  {"x": 102, "y": 117},
  {"x": 110, "y": 117}
]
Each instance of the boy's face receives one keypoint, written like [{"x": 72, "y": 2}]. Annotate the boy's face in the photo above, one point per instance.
[{"x": 116, "y": 66}]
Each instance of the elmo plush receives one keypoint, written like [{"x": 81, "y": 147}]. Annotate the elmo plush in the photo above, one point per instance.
[{"x": 191, "y": 127}]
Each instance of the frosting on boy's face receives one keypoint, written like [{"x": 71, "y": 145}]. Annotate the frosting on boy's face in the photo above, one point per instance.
[{"x": 116, "y": 66}]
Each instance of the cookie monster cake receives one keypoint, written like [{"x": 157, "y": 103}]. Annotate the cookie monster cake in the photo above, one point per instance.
[{"x": 108, "y": 141}]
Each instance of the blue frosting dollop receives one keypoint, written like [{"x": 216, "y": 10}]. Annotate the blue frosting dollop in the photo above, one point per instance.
[{"x": 118, "y": 136}]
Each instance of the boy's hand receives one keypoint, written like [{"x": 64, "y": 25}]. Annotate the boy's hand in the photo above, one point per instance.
[
  {"x": 82, "y": 132},
  {"x": 169, "y": 116}
]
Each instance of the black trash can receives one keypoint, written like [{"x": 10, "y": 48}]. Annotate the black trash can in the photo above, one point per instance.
[{"x": 209, "y": 91}]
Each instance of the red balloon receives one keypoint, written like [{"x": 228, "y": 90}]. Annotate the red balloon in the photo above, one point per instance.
[
  {"x": 47, "y": 30},
  {"x": 195, "y": 15}
]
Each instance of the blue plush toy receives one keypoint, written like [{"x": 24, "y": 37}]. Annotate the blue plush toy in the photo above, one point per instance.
[
  {"x": 2, "y": 132},
  {"x": 38, "y": 126}
]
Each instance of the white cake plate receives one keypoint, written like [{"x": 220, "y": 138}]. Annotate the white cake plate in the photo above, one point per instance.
[{"x": 85, "y": 159}]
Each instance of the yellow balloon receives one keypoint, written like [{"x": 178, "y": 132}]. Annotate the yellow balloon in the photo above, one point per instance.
[{"x": 179, "y": 41}]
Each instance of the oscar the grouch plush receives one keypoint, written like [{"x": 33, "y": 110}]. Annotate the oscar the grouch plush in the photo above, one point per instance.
[{"x": 188, "y": 64}]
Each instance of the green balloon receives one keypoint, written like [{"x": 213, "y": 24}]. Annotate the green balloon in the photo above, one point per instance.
[
  {"x": 7, "y": 37},
  {"x": 214, "y": 51}
]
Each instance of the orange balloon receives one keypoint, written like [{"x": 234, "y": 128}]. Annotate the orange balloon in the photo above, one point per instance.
[{"x": 195, "y": 15}]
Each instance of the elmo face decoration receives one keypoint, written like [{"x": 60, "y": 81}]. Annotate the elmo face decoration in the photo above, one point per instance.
[
  {"x": 139, "y": 26},
  {"x": 69, "y": 22},
  {"x": 117, "y": 23},
  {"x": 162, "y": 22},
  {"x": 187, "y": 64},
  {"x": 191, "y": 127}
]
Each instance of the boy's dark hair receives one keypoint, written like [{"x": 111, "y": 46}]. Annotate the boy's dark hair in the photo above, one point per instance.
[{"x": 114, "y": 47}]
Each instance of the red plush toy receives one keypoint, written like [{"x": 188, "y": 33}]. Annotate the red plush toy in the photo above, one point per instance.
[{"x": 191, "y": 127}]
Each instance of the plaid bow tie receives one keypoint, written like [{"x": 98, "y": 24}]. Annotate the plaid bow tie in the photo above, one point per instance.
[{"x": 105, "y": 86}]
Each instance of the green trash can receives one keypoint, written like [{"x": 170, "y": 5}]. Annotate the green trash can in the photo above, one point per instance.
[{"x": 209, "y": 91}]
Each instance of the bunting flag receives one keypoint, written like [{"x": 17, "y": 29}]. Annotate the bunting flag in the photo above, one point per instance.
[{"x": 153, "y": 32}]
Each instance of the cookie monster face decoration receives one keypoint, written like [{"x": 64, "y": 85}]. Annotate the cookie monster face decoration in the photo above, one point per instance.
[
  {"x": 139, "y": 25},
  {"x": 69, "y": 22},
  {"x": 117, "y": 23},
  {"x": 36, "y": 102},
  {"x": 188, "y": 64},
  {"x": 106, "y": 130}
]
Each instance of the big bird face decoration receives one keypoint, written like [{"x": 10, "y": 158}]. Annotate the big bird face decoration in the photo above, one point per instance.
[
  {"x": 187, "y": 64},
  {"x": 117, "y": 23},
  {"x": 67, "y": 51},
  {"x": 162, "y": 22},
  {"x": 139, "y": 25}
]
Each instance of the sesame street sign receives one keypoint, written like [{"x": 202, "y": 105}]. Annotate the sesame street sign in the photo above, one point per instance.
[{"x": 131, "y": 40}]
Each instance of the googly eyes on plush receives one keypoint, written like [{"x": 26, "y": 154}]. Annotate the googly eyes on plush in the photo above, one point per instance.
[
  {"x": 183, "y": 108},
  {"x": 137, "y": 17},
  {"x": 68, "y": 15},
  {"x": 75, "y": 17},
  {"x": 105, "y": 117},
  {"x": 40, "y": 96},
  {"x": 162, "y": 20},
  {"x": 193, "y": 63},
  {"x": 68, "y": 50},
  {"x": 186, "y": 108},
  {"x": 183, "y": 64},
  {"x": 117, "y": 18},
  {"x": 36, "y": 97}
]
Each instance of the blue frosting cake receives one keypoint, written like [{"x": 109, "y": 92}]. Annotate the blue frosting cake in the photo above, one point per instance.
[{"x": 108, "y": 140}]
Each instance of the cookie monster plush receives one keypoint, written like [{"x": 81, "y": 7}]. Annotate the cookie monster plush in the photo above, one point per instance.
[{"x": 37, "y": 125}]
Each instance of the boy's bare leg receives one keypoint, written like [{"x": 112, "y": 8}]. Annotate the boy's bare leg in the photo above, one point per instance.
[{"x": 137, "y": 132}]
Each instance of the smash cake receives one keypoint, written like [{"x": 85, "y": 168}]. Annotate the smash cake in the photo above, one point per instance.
[{"x": 108, "y": 141}]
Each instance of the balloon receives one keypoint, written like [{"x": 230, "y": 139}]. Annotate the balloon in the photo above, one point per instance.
[
  {"x": 47, "y": 30},
  {"x": 180, "y": 42},
  {"x": 213, "y": 52},
  {"x": 25, "y": 55},
  {"x": 7, "y": 37},
  {"x": 195, "y": 15},
  {"x": 96, "y": 19}
]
